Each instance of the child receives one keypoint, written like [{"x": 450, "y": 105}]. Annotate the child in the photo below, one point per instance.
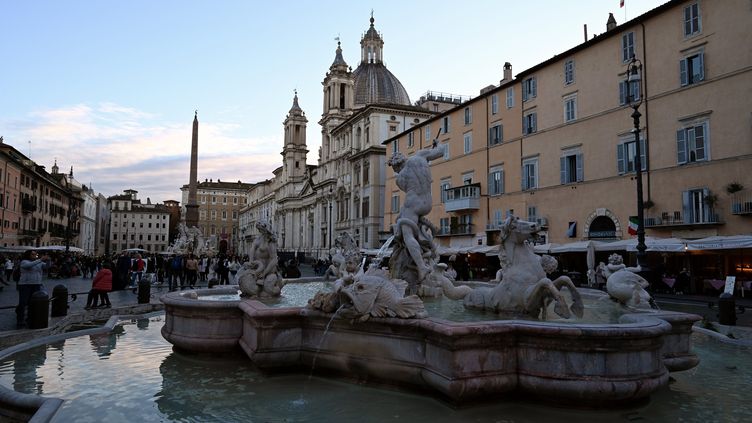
[{"x": 101, "y": 285}]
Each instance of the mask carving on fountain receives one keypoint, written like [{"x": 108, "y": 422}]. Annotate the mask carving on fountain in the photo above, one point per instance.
[{"x": 259, "y": 276}]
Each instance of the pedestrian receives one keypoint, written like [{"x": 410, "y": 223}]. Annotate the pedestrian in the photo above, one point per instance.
[
  {"x": 202, "y": 264},
  {"x": 8, "y": 269},
  {"x": 233, "y": 267},
  {"x": 32, "y": 267},
  {"x": 176, "y": 272},
  {"x": 122, "y": 267},
  {"x": 100, "y": 286},
  {"x": 191, "y": 270},
  {"x": 137, "y": 270}
]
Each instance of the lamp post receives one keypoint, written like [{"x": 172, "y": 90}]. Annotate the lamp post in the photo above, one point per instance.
[{"x": 634, "y": 99}]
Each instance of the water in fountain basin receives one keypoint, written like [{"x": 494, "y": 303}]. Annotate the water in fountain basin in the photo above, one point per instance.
[{"x": 163, "y": 385}]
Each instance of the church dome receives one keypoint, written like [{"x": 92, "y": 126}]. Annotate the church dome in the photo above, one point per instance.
[{"x": 374, "y": 83}]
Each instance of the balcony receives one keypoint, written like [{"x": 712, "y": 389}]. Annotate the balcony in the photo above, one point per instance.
[
  {"x": 741, "y": 203},
  {"x": 676, "y": 219},
  {"x": 459, "y": 229},
  {"x": 466, "y": 197},
  {"x": 28, "y": 206}
]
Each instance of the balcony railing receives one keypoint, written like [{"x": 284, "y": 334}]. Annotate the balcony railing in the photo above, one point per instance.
[
  {"x": 677, "y": 218},
  {"x": 465, "y": 197},
  {"x": 741, "y": 203},
  {"x": 28, "y": 206},
  {"x": 459, "y": 229}
]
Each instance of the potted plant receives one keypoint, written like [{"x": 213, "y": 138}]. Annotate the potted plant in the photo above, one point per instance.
[{"x": 734, "y": 187}]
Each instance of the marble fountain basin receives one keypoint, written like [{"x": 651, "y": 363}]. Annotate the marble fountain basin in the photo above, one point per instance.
[{"x": 597, "y": 365}]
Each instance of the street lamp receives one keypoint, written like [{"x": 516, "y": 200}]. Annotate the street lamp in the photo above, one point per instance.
[{"x": 634, "y": 99}]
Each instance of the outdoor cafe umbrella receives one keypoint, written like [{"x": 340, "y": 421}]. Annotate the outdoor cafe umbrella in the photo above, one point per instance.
[{"x": 591, "y": 263}]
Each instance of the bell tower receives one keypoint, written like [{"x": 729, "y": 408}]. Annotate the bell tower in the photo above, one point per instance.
[
  {"x": 339, "y": 99},
  {"x": 295, "y": 149}
]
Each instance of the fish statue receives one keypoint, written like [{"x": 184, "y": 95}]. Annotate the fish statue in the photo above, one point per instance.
[{"x": 375, "y": 294}]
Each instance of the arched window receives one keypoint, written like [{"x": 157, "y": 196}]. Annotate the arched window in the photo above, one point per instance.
[{"x": 602, "y": 227}]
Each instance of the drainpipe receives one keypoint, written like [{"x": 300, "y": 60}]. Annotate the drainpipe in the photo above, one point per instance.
[
  {"x": 488, "y": 160},
  {"x": 647, "y": 115}
]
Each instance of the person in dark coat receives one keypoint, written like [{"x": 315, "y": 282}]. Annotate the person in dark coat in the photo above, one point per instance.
[{"x": 123, "y": 266}]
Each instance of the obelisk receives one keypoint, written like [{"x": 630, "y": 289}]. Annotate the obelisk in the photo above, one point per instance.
[{"x": 191, "y": 209}]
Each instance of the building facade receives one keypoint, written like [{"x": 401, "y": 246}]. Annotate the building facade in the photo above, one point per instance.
[
  {"x": 310, "y": 205},
  {"x": 137, "y": 225},
  {"x": 556, "y": 143},
  {"x": 219, "y": 205}
]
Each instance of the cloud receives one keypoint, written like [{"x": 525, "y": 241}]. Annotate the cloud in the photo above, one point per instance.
[{"x": 114, "y": 147}]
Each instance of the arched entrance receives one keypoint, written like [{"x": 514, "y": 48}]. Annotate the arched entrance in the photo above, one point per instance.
[
  {"x": 602, "y": 224},
  {"x": 223, "y": 247}
]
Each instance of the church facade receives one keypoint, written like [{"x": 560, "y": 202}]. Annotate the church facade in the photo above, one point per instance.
[{"x": 310, "y": 205}]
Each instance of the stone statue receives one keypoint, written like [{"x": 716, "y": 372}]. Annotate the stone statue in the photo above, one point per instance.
[
  {"x": 370, "y": 294},
  {"x": 259, "y": 276},
  {"x": 624, "y": 285},
  {"x": 189, "y": 240},
  {"x": 413, "y": 242},
  {"x": 525, "y": 287},
  {"x": 345, "y": 257}
]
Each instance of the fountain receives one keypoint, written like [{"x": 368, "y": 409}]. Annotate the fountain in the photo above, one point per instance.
[{"x": 383, "y": 335}]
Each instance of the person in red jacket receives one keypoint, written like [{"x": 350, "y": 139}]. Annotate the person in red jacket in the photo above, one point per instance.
[{"x": 101, "y": 285}]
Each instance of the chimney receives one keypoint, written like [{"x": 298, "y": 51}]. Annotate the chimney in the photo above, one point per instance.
[
  {"x": 507, "y": 72},
  {"x": 611, "y": 22},
  {"x": 584, "y": 28}
]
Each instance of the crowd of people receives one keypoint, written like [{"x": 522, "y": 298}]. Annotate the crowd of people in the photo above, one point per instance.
[{"x": 125, "y": 270}]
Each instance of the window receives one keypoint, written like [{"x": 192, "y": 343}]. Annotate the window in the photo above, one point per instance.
[
  {"x": 626, "y": 156},
  {"x": 446, "y": 151},
  {"x": 695, "y": 206},
  {"x": 468, "y": 116},
  {"x": 692, "y": 69},
  {"x": 366, "y": 207},
  {"x": 395, "y": 203},
  {"x": 224, "y": 214},
  {"x": 510, "y": 97},
  {"x": 529, "y": 123},
  {"x": 632, "y": 91},
  {"x": 495, "y": 134},
  {"x": 443, "y": 187},
  {"x": 428, "y": 133},
  {"x": 392, "y": 128},
  {"x": 530, "y": 174},
  {"x": 627, "y": 46},
  {"x": 444, "y": 226},
  {"x": 691, "y": 19},
  {"x": 569, "y": 72},
  {"x": 529, "y": 89},
  {"x": 468, "y": 142},
  {"x": 366, "y": 173},
  {"x": 496, "y": 181},
  {"x": 445, "y": 125},
  {"x": 395, "y": 146},
  {"x": 692, "y": 143},
  {"x": 467, "y": 178},
  {"x": 410, "y": 140},
  {"x": 494, "y": 104},
  {"x": 571, "y": 167},
  {"x": 570, "y": 108}
]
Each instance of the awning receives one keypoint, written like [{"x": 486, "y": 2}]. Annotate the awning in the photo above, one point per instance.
[
  {"x": 731, "y": 242},
  {"x": 70, "y": 248}
]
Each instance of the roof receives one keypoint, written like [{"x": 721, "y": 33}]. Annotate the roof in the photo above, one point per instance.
[{"x": 374, "y": 83}]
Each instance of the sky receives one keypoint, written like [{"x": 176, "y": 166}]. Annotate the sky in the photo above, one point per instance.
[{"x": 110, "y": 87}]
